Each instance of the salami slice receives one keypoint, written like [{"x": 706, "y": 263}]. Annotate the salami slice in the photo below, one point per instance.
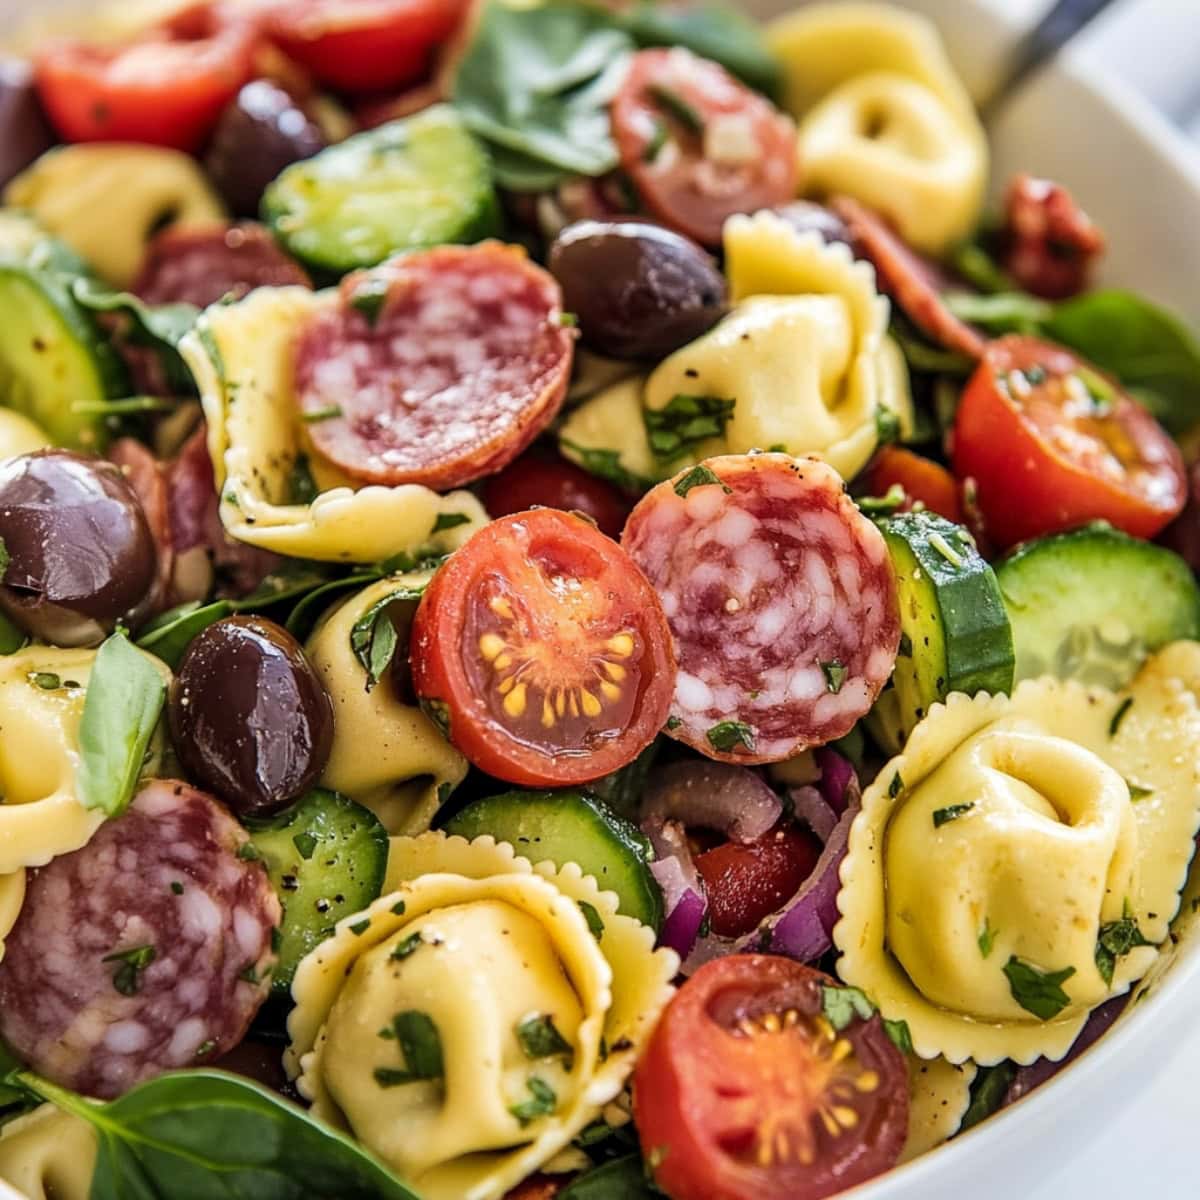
[
  {"x": 147, "y": 950},
  {"x": 781, "y": 600},
  {"x": 437, "y": 368},
  {"x": 1050, "y": 243},
  {"x": 203, "y": 265},
  {"x": 145, "y": 475},
  {"x": 912, "y": 282}
]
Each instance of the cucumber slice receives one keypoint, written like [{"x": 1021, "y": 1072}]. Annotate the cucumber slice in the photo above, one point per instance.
[
  {"x": 1091, "y": 604},
  {"x": 54, "y": 368},
  {"x": 571, "y": 826},
  {"x": 327, "y": 858},
  {"x": 423, "y": 181},
  {"x": 955, "y": 635}
]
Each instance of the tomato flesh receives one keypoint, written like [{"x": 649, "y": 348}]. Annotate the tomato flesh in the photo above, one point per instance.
[
  {"x": 747, "y": 1090},
  {"x": 747, "y": 882},
  {"x": 700, "y": 146},
  {"x": 543, "y": 651},
  {"x": 925, "y": 483},
  {"x": 1051, "y": 444}
]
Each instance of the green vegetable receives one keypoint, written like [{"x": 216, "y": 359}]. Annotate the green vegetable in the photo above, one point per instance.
[
  {"x": 1037, "y": 991},
  {"x": 1002, "y": 312},
  {"x": 685, "y": 423},
  {"x": 541, "y": 1103},
  {"x": 622, "y": 790},
  {"x": 537, "y": 82},
  {"x": 987, "y": 938},
  {"x": 420, "y": 1046},
  {"x": 326, "y": 857},
  {"x": 571, "y": 826},
  {"x": 594, "y": 921},
  {"x": 170, "y": 634},
  {"x": 423, "y": 181},
  {"x": 1116, "y": 940},
  {"x": 125, "y": 696},
  {"x": 725, "y": 735},
  {"x": 127, "y": 975},
  {"x": 621, "y": 1179},
  {"x": 307, "y": 612},
  {"x": 700, "y": 476},
  {"x": 900, "y": 1034},
  {"x": 951, "y": 614},
  {"x": 606, "y": 464},
  {"x": 844, "y": 1005},
  {"x": 1092, "y": 603},
  {"x": 943, "y": 816},
  {"x": 373, "y": 637},
  {"x": 987, "y": 1093},
  {"x": 540, "y": 1038}
]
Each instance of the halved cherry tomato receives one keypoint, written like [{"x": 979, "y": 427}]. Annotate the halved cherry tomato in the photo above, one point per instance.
[
  {"x": 747, "y": 882},
  {"x": 541, "y": 479},
  {"x": 363, "y": 46},
  {"x": 747, "y": 1091},
  {"x": 1051, "y": 443},
  {"x": 165, "y": 89},
  {"x": 543, "y": 651},
  {"x": 699, "y": 145},
  {"x": 922, "y": 479}
]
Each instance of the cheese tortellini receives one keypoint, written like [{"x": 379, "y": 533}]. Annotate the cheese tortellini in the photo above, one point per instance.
[
  {"x": 387, "y": 754},
  {"x": 1021, "y": 860},
  {"x": 48, "y": 1154},
  {"x": 107, "y": 199},
  {"x": 939, "y": 1094},
  {"x": 470, "y": 1023},
  {"x": 883, "y": 118},
  {"x": 12, "y": 896},
  {"x": 241, "y": 357}
]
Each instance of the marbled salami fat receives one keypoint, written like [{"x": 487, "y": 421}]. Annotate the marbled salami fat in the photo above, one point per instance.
[
  {"x": 437, "y": 368},
  {"x": 146, "y": 951},
  {"x": 781, "y": 599}
]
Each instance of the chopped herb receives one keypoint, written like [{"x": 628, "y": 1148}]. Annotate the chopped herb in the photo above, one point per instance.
[
  {"x": 360, "y": 927},
  {"x": 943, "y": 816},
  {"x": 47, "y": 681},
  {"x": 699, "y": 476},
  {"x": 398, "y": 908},
  {"x": 420, "y": 1046},
  {"x": 1137, "y": 792},
  {"x": 843, "y": 1005},
  {"x": 276, "y": 939},
  {"x": 943, "y": 547},
  {"x": 835, "y": 675},
  {"x": 540, "y": 1038},
  {"x": 406, "y": 946},
  {"x": 205, "y": 1048},
  {"x": 248, "y": 852},
  {"x": 248, "y": 974},
  {"x": 450, "y": 521},
  {"x": 684, "y": 423},
  {"x": 373, "y": 637},
  {"x": 606, "y": 464},
  {"x": 728, "y": 734},
  {"x": 1037, "y": 991},
  {"x": 177, "y": 887},
  {"x": 302, "y": 487},
  {"x": 369, "y": 298},
  {"x": 905, "y": 650},
  {"x": 883, "y": 505},
  {"x": 887, "y": 426},
  {"x": 568, "y": 320},
  {"x": 673, "y": 722},
  {"x": 656, "y": 143},
  {"x": 125, "y": 406},
  {"x": 987, "y": 938},
  {"x": 130, "y": 965},
  {"x": 672, "y": 103},
  {"x": 444, "y": 792},
  {"x": 315, "y": 415},
  {"x": 987, "y": 1093},
  {"x": 438, "y": 711},
  {"x": 900, "y": 1034},
  {"x": 542, "y": 1101},
  {"x": 1119, "y": 716},
  {"x": 896, "y": 786},
  {"x": 593, "y": 919},
  {"x": 1116, "y": 940},
  {"x": 306, "y": 845}
]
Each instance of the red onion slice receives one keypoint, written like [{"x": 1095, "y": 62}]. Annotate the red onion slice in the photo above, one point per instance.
[
  {"x": 685, "y": 908},
  {"x": 838, "y": 782},
  {"x": 812, "y": 808},
  {"x": 729, "y": 799}
]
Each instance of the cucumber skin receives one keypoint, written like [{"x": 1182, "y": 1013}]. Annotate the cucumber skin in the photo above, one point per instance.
[
  {"x": 953, "y": 615},
  {"x": 525, "y": 819}
]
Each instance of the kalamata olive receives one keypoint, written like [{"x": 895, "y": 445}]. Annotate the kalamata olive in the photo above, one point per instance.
[
  {"x": 639, "y": 291},
  {"x": 81, "y": 554},
  {"x": 25, "y": 133},
  {"x": 264, "y": 130},
  {"x": 806, "y": 217},
  {"x": 249, "y": 718}
]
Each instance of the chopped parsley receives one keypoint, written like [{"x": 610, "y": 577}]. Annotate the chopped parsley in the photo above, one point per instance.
[
  {"x": 655, "y": 145},
  {"x": 360, "y": 927},
  {"x": 1037, "y": 991},
  {"x": 835, "y": 675},
  {"x": 1119, "y": 716},
  {"x": 885, "y": 505},
  {"x": 887, "y": 426},
  {"x": 398, "y": 908},
  {"x": 369, "y": 298},
  {"x": 673, "y": 722},
  {"x": 728, "y": 734},
  {"x": 1116, "y": 940},
  {"x": 302, "y": 487},
  {"x": 127, "y": 975},
  {"x": 248, "y": 852},
  {"x": 1137, "y": 792},
  {"x": 542, "y": 1101},
  {"x": 943, "y": 816},
  {"x": 700, "y": 476},
  {"x": 900, "y": 1034},
  {"x": 594, "y": 921},
  {"x": 896, "y": 786},
  {"x": 540, "y": 1038},
  {"x": 568, "y": 320},
  {"x": 306, "y": 845},
  {"x": 406, "y": 946},
  {"x": 673, "y": 104},
  {"x": 450, "y": 521},
  {"x": 315, "y": 415},
  {"x": 177, "y": 887},
  {"x": 843, "y": 1005},
  {"x": 420, "y": 1046},
  {"x": 987, "y": 938},
  {"x": 444, "y": 792},
  {"x": 684, "y": 423}
]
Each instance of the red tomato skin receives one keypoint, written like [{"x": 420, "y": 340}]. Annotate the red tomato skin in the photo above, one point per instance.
[
  {"x": 365, "y": 46},
  {"x": 921, "y": 478},
  {"x": 1026, "y": 488},
  {"x": 746, "y": 883},
  {"x": 541, "y": 480},
  {"x": 441, "y": 680}
]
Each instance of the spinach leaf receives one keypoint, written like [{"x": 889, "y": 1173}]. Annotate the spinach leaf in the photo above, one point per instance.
[
  {"x": 522, "y": 173},
  {"x": 373, "y": 636},
  {"x": 170, "y": 634},
  {"x": 125, "y": 695},
  {"x": 684, "y": 423},
  {"x": 621, "y": 1179},
  {"x": 606, "y": 464},
  {"x": 987, "y": 1093},
  {"x": 292, "y": 581},
  {"x": 307, "y": 613},
  {"x": 205, "y": 1134},
  {"x": 1003, "y": 312},
  {"x": 1037, "y": 991},
  {"x": 538, "y": 82}
]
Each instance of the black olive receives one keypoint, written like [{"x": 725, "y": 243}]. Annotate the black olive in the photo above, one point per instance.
[
  {"x": 263, "y": 130},
  {"x": 639, "y": 291},
  {"x": 806, "y": 217},
  {"x": 25, "y": 133},
  {"x": 81, "y": 554},
  {"x": 249, "y": 718}
]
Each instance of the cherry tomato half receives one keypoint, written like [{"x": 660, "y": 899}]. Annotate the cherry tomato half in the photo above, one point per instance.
[
  {"x": 747, "y": 882},
  {"x": 922, "y": 479},
  {"x": 165, "y": 89},
  {"x": 543, "y": 651},
  {"x": 746, "y": 1090},
  {"x": 541, "y": 479},
  {"x": 699, "y": 145},
  {"x": 363, "y": 46},
  {"x": 1051, "y": 443}
]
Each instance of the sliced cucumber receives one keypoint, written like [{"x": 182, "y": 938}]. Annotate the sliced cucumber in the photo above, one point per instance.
[
  {"x": 573, "y": 827},
  {"x": 327, "y": 858},
  {"x": 423, "y": 181},
  {"x": 955, "y": 635},
  {"x": 1091, "y": 604}
]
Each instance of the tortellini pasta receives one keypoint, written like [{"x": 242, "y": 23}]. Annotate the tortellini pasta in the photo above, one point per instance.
[
  {"x": 387, "y": 755},
  {"x": 1021, "y": 860},
  {"x": 469, "y": 1024},
  {"x": 241, "y": 357},
  {"x": 48, "y": 1155},
  {"x": 939, "y": 1094},
  {"x": 107, "y": 199},
  {"x": 607, "y": 435},
  {"x": 882, "y": 117},
  {"x": 12, "y": 896},
  {"x": 20, "y": 435}
]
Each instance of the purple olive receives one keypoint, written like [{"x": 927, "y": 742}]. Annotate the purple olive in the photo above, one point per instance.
[
  {"x": 25, "y": 134},
  {"x": 806, "y": 217},
  {"x": 81, "y": 556},
  {"x": 249, "y": 718}
]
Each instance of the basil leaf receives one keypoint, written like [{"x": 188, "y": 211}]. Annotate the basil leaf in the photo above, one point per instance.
[
  {"x": 606, "y": 464},
  {"x": 541, "y": 1103},
  {"x": 1004, "y": 312},
  {"x": 169, "y": 635},
  {"x": 1117, "y": 939},
  {"x": 538, "y": 81},
  {"x": 539, "y": 1038},
  {"x": 420, "y": 1046},
  {"x": 843, "y": 1005},
  {"x": 700, "y": 476},
  {"x": 124, "y": 699},
  {"x": 209, "y": 1136},
  {"x": 307, "y": 613},
  {"x": 900, "y": 1034},
  {"x": 1037, "y": 991},
  {"x": 684, "y": 423},
  {"x": 943, "y": 816},
  {"x": 622, "y": 791},
  {"x": 621, "y": 1179},
  {"x": 373, "y": 637},
  {"x": 292, "y": 581},
  {"x": 725, "y": 735},
  {"x": 987, "y": 1093},
  {"x": 11, "y": 638}
]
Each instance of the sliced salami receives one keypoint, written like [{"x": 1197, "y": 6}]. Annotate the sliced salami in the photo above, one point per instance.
[
  {"x": 781, "y": 600},
  {"x": 1050, "y": 243},
  {"x": 437, "y": 368},
  {"x": 145, "y": 475},
  {"x": 147, "y": 950},
  {"x": 200, "y": 266},
  {"x": 911, "y": 281}
]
